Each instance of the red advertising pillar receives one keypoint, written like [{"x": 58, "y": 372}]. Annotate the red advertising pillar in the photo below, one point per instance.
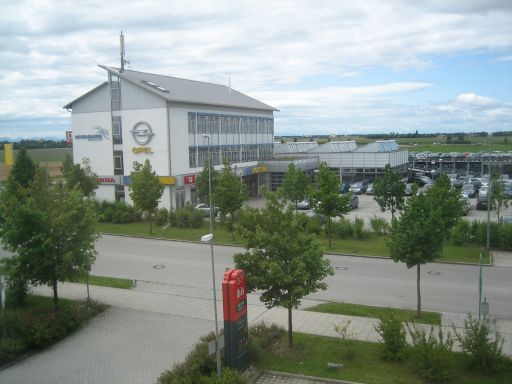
[{"x": 236, "y": 332}]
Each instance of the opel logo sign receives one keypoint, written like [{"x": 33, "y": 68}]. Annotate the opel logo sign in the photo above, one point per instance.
[{"x": 142, "y": 133}]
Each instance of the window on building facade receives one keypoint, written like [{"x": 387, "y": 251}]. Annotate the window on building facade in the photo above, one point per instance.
[
  {"x": 250, "y": 153},
  {"x": 192, "y": 157},
  {"x": 231, "y": 153},
  {"x": 192, "y": 122},
  {"x": 118, "y": 163},
  {"x": 115, "y": 93},
  {"x": 117, "y": 136},
  {"x": 119, "y": 193}
]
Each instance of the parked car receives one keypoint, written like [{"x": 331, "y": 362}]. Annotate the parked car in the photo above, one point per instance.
[
  {"x": 205, "y": 208},
  {"x": 421, "y": 180},
  {"x": 344, "y": 187},
  {"x": 469, "y": 189},
  {"x": 312, "y": 214},
  {"x": 359, "y": 187},
  {"x": 369, "y": 190},
  {"x": 304, "y": 204},
  {"x": 409, "y": 190},
  {"x": 353, "y": 203},
  {"x": 481, "y": 200},
  {"x": 506, "y": 219},
  {"x": 467, "y": 203}
]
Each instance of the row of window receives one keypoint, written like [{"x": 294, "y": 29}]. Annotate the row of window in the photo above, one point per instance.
[
  {"x": 233, "y": 153},
  {"x": 209, "y": 123}
]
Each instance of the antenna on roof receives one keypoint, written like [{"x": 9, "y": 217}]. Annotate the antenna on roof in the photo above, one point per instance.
[{"x": 121, "y": 48}]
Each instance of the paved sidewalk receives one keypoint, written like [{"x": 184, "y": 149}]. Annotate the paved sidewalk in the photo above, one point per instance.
[
  {"x": 154, "y": 325},
  {"x": 502, "y": 258}
]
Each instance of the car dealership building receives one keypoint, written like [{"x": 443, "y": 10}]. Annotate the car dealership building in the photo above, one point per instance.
[{"x": 173, "y": 123}]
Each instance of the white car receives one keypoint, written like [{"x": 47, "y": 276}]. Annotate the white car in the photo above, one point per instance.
[
  {"x": 205, "y": 208},
  {"x": 304, "y": 204}
]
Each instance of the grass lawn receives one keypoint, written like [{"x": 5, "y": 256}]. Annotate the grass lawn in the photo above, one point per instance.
[
  {"x": 374, "y": 312},
  {"x": 372, "y": 246},
  {"x": 112, "y": 282},
  {"x": 311, "y": 354}
]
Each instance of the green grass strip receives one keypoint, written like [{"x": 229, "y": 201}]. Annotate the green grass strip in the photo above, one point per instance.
[
  {"x": 310, "y": 356},
  {"x": 112, "y": 282},
  {"x": 375, "y": 312}
]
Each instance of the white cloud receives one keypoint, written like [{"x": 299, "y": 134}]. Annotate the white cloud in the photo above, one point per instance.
[{"x": 50, "y": 49}]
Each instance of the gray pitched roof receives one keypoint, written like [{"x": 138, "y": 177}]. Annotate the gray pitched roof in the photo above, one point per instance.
[
  {"x": 190, "y": 91},
  {"x": 380, "y": 146},
  {"x": 70, "y": 104},
  {"x": 335, "y": 147},
  {"x": 294, "y": 147}
]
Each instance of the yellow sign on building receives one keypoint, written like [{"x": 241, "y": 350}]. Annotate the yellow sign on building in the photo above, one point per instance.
[
  {"x": 167, "y": 180},
  {"x": 260, "y": 169},
  {"x": 8, "y": 154}
]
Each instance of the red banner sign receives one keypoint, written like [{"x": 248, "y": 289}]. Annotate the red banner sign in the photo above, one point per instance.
[
  {"x": 234, "y": 294},
  {"x": 189, "y": 179},
  {"x": 69, "y": 137}
]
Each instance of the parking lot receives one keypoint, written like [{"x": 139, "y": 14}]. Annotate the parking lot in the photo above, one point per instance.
[{"x": 368, "y": 208}]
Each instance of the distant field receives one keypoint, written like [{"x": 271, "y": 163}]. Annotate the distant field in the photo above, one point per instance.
[
  {"x": 53, "y": 169},
  {"x": 51, "y": 154}
]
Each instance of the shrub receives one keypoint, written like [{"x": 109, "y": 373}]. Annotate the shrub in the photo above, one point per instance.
[
  {"x": 359, "y": 230},
  {"x": 10, "y": 348},
  {"x": 506, "y": 237},
  {"x": 116, "y": 212},
  {"x": 262, "y": 337},
  {"x": 379, "y": 225},
  {"x": 187, "y": 217},
  {"x": 348, "y": 339},
  {"x": 313, "y": 225},
  {"x": 392, "y": 332},
  {"x": 432, "y": 356},
  {"x": 173, "y": 219},
  {"x": 199, "y": 368},
  {"x": 482, "y": 345},
  {"x": 161, "y": 216},
  {"x": 17, "y": 289},
  {"x": 460, "y": 233},
  {"x": 344, "y": 229}
]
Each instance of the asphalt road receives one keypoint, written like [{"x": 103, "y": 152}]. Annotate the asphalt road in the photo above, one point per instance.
[{"x": 187, "y": 267}]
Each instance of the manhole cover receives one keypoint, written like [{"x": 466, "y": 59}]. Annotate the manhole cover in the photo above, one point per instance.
[
  {"x": 435, "y": 273},
  {"x": 158, "y": 266},
  {"x": 341, "y": 268}
]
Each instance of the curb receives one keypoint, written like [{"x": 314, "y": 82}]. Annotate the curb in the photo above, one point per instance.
[{"x": 327, "y": 253}]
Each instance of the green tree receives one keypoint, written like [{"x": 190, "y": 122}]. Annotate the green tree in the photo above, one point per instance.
[
  {"x": 52, "y": 233},
  {"x": 79, "y": 176},
  {"x": 230, "y": 193},
  {"x": 202, "y": 187},
  {"x": 417, "y": 237},
  {"x": 499, "y": 196},
  {"x": 281, "y": 260},
  {"x": 389, "y": 191},
  {"x": 23, "y": 169},
  {"x": 326, "y": 198},
  {"x": 146, "y": 189},
  {"x": 295, "y": 185}
]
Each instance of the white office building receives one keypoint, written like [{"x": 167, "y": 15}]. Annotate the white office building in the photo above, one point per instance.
[{"x": 173, "y": 122}]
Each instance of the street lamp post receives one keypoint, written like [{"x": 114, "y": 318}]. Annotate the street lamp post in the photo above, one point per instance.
[{"x": 209, "y": 238}]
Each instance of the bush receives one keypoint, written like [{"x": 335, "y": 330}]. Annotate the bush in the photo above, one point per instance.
[
  {"x": 314, "y": 225},
  {"x": 432, "y": 356},
  {"x": 262, "y": 337},
  {"x": 392, "y": 332},
  {"x": 38, "y": 327},
  {"x": 161, "y": 216},
  {"x": 344, "y": 229},
  {"x": 506, "y": 237},
  {"x": 482, "y": 345},
  {"x": 460, "y": 233},
  {"x": 187, "y": 217},
  {"x": 348, "y": 339},
  {"x": 379, "y": 225},
  {"x": 116, "y": 212},
  {"x": 17, "y": 290},
  {"x": 199, "y": 368},
  {"x": 359, "y": 230}
]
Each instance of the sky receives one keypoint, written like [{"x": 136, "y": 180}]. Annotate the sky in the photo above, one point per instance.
[{"x": 330, "y": 67}]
